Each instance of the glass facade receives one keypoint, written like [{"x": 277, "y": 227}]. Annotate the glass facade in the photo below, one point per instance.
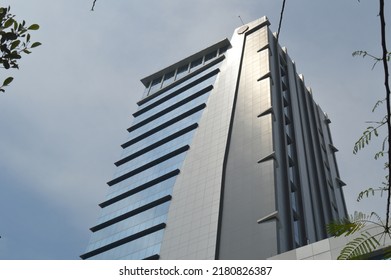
[{"x": 134, "y": 215}]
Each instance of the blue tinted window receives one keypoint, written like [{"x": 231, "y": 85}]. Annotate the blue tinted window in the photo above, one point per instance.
[
  {"x": 168, "y": 78},
  {"x": 210, "y": 56},
  {"x": 195, "y": 64},
  {"x": 182, "y": 71},
  {"x": 156, "y": 84}
]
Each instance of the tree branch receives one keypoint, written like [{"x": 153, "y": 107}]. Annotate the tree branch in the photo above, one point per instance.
[
  {"x": 93, "y": 5},
  {"x": 281, "y": 16},
  {"x": 387, "y": 87}
]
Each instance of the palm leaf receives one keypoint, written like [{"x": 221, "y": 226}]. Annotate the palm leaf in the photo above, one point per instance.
[
  {"x": 358, "y": 247},
  {"x": 347, "y": 226}
]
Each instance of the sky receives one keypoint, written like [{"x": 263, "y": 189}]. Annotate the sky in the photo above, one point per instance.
[{"x": 65, "y": 115}]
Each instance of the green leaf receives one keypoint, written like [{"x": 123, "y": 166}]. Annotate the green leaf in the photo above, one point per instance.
[
  {"x": 379, "y": 154},
  {"x": 36, "y": 44},
  {"x": 33, "y": 27},
  {"x": 359, "y": 53},
  {"x": 8, "y": 23},
  {"x": 15, "y": 44},
  {"x": 15, "y": 55},
  {"x": 6, "y": 64},
  {"x": 10, "y": 36},
  {"x": 26, "y": 51},
  {"x": 7, "y": 81}
]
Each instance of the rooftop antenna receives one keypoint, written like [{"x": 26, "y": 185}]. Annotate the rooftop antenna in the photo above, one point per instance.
[{"x": 241, "y": 20}]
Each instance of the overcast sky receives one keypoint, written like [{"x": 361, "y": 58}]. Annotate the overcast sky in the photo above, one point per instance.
[{"x": 63, "y": 118}]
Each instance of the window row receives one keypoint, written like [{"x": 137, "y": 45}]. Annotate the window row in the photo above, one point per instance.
[
  {"x": 173, "y": 139},
  {"x": 181, "y": 71},
  {"x": 146, "y": 175},
  {"x": 174, "y": 94},
  {"x": 126, "y": 240},
  {"x": 130, "y": 226},
  {"x": 141, "y": 248},
  {"x": 160, "y": 127},
  {"x": 148, "y": 165}
]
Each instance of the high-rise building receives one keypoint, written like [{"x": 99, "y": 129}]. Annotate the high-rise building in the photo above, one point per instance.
[{"x": 228, "y": 157}]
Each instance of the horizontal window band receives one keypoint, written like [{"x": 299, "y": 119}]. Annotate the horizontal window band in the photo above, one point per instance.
[
  {"x": 123, "y": 241},
  {"x": 131, "y": 213},
  {"x": 164, "y": 125},
  {"x": 185, "y": 78},
  {"x": 177, "y": 92},
  {"x": 170, "y": 108},
  {"x": 157, "y": 144},
  {"x": 148, "y": 165},
  {"x": 153, "y": 257},
  {"x": 139, "y": 188}
]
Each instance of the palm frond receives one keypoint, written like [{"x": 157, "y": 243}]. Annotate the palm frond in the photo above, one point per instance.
[
  {"x": 359, "y": 247},
  {"x": 348, "y": 226},
  {"x": 380, "y": 222}
]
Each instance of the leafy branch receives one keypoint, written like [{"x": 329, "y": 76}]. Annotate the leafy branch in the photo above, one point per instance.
[
  {"x": 367, "y": 136},
  {"x": 363, "y": 54},
  {"x": 355, "y": 223},
  {"x": 14, "y": 41},
  {"x": 366, "y": 243},
  {"x": 385, "y": 59},
  {"x": 371, "y": 191},
  {"x": 378, "y": 103}
]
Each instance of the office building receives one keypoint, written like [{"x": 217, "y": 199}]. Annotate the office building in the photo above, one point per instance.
[{"x": 228, "y": 157}]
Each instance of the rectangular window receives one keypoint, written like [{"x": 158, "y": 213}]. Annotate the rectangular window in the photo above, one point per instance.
[
  {"x": 155, "y": 86},
  {"x": 195, "y": 64},
  {"x": 210, "y": 56},
  {"x": 168, "y": 78},
  {"x": 223, "y": 50},
  {"x": 182, "y": 71},
  {"x": 293, "y": 201},
  {"x": 296, "y": 230}
]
